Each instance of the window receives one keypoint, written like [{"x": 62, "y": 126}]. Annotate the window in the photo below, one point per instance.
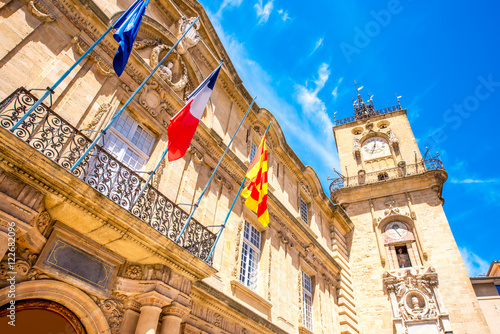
[
  {"x": 304, "y": 211},
  {"x": 129, "y": 142},
  {"x": 253, "y": 150},
  {"x": 250, "y": 256},
  {"x": 308, "y": 301}
]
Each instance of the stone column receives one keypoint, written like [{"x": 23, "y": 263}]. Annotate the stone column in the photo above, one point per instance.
[
  {"x": 130, "y": 316},
  {"x": 172, "y": 318},
  {"x": 152, "y": 303}
]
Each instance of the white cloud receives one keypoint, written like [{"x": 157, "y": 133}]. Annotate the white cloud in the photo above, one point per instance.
[
  {"x": 312, "y": 105},
  {"x": 284, "y": 15},
  {"x": 228, "y": 3},
  {"x": 473, "y": 181},
  {"x": 335, "y": 92},
  {"x": 263, "y": 12},
  {"x": 473, "y": 263},
  {"x": 317, "y": 45}
]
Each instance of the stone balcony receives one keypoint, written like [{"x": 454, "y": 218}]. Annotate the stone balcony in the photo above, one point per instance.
[{"x": 59, "y": 141}]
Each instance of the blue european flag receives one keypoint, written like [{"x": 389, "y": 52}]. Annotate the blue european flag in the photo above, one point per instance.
[{"x": 127, "y": 27}]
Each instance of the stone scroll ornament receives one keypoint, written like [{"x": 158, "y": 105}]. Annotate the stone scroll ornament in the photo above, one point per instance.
[{"x": 174, "y": 72}]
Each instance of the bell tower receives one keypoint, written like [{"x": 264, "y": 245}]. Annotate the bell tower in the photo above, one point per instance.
[{"x": 408, "y": 274}]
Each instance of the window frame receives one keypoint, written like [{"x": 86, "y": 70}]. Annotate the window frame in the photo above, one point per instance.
[
  {"x": 303, "y": 203},
  {"x": 253, "y": 150},
  {"x": 128, "y": 143},
  {"x": 307, "y": 301},
  {"x": 249, "y": 273}
]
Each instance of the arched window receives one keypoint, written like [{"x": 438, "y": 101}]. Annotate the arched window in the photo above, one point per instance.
[{"x": 400, "y": 245}]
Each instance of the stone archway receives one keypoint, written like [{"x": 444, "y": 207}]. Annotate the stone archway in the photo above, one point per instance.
[
  {"x": 66, "y": 295},
  {"x": 40, "y": 316}
]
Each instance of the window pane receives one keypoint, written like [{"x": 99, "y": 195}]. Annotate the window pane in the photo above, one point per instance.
[
  {"x": 252, "y": 234},
  {"x": 133, "y": 160},
  {"x": 308, "y": 301},
  {"x": 114, "y": 145},
  {"x": 124, "y": 124},
  {"x": 143, "y": 140},
  {"x": 303, "y": 211},
  {"x": 249, "y": 266},
  {"x": 253, "y": 150}
]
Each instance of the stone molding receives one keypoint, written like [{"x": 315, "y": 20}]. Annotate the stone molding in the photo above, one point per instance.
[{"x": 236, "y": 284}]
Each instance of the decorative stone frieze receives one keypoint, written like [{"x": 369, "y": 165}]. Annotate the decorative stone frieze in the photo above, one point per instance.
[{"x": 39, "y": 11}]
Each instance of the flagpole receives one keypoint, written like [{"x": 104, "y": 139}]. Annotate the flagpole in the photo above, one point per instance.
[
  {"x": 50, "y": 90},
  {"x": 119, "y": 112},
  {"x": 195, "y": 206},
  {"x": 229, "y": 213},
  {"x": 225, "y": 221}
]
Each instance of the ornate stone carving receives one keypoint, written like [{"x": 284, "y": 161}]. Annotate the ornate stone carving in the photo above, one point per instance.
[
  {"x": 390, "y": 209},
  {"x": 306, "y": 189},
  {"x": 414, "y": 296},
  {"x": 104, "y": 108},
  {"x": 192, "y": 37},
  {"x": 299, "y": 288},
  {"x": 134, "y": 272},
  {"x": 42, "y": 222},
  {"x": 39, "y": 11},
  {"x": 269, "y": 270},
  {"x": 237, "y": 242},
  {"x": 102, "y": 67},
  {"x": 356, "y": 148},
  {"x": 174, "y": 72},
  {"x": 393, "y": 139},
  {"x": 113, "y": 311},
  {"x": 22, "y": 269},
  {"x": 196, "y": 154},
  {"x": 151, "y": 100},
  {"x": 143, "y": 43},
  {"x": 158, "y": 272},
  {"x": 159, "y": 174}
]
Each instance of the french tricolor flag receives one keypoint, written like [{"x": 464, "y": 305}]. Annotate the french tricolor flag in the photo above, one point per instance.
[{"x": 183, "y": 125}]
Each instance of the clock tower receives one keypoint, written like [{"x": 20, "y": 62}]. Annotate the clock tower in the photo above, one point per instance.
[{"x": 408, "y": 275}]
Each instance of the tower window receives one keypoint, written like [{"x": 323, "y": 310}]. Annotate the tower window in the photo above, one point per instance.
[
  {"x": 403, "y": 257},
  {"x": 250, "y": 256}
]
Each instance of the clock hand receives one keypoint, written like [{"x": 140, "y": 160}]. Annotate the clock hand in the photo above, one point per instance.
[{"x": 374, "y": 145}]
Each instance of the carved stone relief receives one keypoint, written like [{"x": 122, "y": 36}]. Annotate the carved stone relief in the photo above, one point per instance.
[
  {"x": 112, "y": 309},
  {"x": 192, "y": 37},
  {"x": 415, "y": 297},
  {"x": 237, "y": 242},
  {"x": 104, "y": 108},
  {"x": 173, "y": 71},
  {"x": 158, "y": 272},
  {"x": 39, "y": 11},
  {"x": 102, "y": 66}
]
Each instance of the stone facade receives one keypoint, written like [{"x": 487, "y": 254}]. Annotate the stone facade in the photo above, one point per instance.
[
  {"x": 104, "y": 258},
  {"x": 487, "y": 289},
  {"x": 408, "y": 276}
]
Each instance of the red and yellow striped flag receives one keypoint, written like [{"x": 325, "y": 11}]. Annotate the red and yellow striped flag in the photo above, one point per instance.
[{"x": 256, "y": 191}]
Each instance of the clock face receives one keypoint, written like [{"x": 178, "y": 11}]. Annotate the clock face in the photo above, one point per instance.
[
  {"x": 396, "y": 231},
  {"x": 375, "y": 147}
]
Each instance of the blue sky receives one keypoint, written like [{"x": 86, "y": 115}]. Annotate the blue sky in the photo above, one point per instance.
[{"x": 300, "y": 59}]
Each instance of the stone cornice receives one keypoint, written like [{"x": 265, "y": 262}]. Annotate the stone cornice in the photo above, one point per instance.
[{"x": 432, "y": 179}]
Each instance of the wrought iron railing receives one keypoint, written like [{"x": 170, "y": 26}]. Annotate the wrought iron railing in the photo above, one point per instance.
[
  {"x": 59, "y": 141},
  {"x": 386, "y": 174},
  {"x": 374, "y": 113}
]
